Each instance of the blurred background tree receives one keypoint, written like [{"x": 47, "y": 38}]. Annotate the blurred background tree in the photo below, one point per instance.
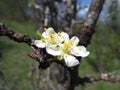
[
  {"x": 13, "y": 9},
  {"x": 62, "y": 15}
]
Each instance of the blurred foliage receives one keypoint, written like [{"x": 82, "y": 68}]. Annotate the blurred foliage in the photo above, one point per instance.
[
  {"x": 104, "y": 57},
  {"x": 14, "y": 10},
  {"x": 105, "y": 50},
  {"x": 14, "y": 62}
]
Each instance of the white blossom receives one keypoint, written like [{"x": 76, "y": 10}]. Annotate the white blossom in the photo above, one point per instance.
[{"x": 61, "y": 46}]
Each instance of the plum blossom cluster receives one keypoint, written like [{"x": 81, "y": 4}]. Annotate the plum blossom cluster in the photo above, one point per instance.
[{"x": 61, "y": 46}]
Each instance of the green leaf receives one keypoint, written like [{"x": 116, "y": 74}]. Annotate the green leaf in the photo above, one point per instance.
[{"x": 38, "y": 34}]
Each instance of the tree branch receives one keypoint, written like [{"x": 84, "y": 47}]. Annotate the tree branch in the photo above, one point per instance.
[
  {"x": 87, "y": 28},
  {"x": 4, "y": 31},
  {"x": 39, "y": 55},
  {"x": 109, "y": 77}
]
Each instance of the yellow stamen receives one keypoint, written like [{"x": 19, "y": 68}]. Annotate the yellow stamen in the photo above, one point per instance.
[
  {"x": 59, "y": 32},
  {"x": 79, "y": 49},
  {"x": 67, "y": 45},
  {"x": 45, "y": 29},
  {"x": 76, "y": 43},
  {"x": 52, "y": 36}
]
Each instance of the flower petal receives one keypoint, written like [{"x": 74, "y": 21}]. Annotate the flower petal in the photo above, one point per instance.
[
  {"x": 53, "y": 50},
  {"x": 79, "y": 51},
  {"x": 63, "y": 36},
  {"x": 50, "y": 30},
  {"x": 70, "y": 60},
  {"x": 47, "y": 33},
  {"x": 75, "y": 40},
  {"x": 39, "y": 43}
]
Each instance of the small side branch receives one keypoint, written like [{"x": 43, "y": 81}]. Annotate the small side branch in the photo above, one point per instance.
[{"x": 109, "y": 77}]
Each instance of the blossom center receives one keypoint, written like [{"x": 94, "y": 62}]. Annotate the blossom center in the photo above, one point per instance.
[
  {"x": 52, "y": 36},
  {"x": 67, "y": 45},
  {"x": 79, "y": 49}
]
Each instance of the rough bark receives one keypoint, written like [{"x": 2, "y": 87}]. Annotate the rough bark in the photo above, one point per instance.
[
  {"x": 4, "y": 31},
  {"x": 87, "y": 29}
]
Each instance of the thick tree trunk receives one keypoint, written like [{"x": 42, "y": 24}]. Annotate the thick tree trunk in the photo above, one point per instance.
[{"x": 87, "y": 28}]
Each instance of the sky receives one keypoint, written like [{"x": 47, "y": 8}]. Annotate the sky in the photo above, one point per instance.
[
  {"x": 83, "y": 4},
  {"x": 83, "y": 12}
]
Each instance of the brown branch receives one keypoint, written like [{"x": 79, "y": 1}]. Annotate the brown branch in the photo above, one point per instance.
[
  {"x": 39, "y": 55},
  {"x": 4, "y": 31}
]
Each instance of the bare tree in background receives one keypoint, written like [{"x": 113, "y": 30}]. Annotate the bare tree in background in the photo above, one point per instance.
[
  {"x": 112, "y": 16},
  {"x": 59, "y": 14}
]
